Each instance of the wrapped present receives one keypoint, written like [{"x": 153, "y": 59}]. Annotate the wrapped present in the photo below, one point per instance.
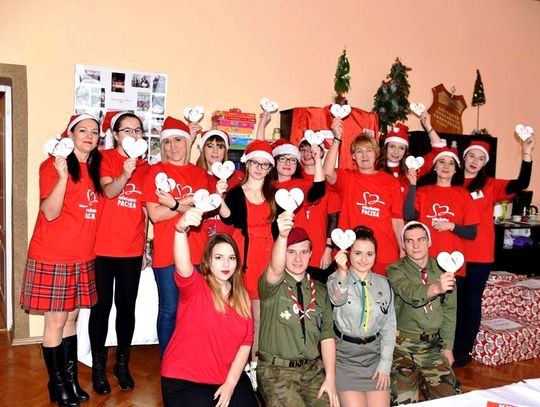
[
  {"x": 244, "y": 131},
  {"x": 516, "y": 299},
  {"x": 234, "y": 115},
  {"x": 506, "y": 340},
  {"x": 496, "y": 276},
  {"x": 234, "y": 123}
]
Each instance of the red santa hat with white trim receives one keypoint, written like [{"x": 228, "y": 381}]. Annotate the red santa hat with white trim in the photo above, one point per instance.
[
  {"x": 214, "y": 132},
  {"x": 258, "y": 149},
  {"x": 110, "y": 119},
  {"x": 398, "y": 134},
  {"x": 77, "y": 118},
  {"x": 174, "y": 127},
  {"x": 480, "y": 145},
  {"x": 284, "y": 146},
  {"x": 446, "y": 152}
]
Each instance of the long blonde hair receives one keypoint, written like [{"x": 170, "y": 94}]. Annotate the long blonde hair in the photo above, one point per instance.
[{"x": 238, "y": 297}]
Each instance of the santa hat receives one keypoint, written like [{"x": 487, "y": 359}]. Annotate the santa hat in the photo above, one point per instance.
[
  {"x": 109, "y": 121},
  {"x": 447, "y": 152},
  {"x": 77, "y": 118},
  {"x": 220, "y": 133},
  {"x": 398, "y": 134},
  {"x": 284, "y": 146},
  {"x": 480, "y": 145},
  {"x": 297, "y": 235},
  {"x": 260, "y": 149},
  {"x": 412, "y": 223},
  {"x": 174, "y": 127}
]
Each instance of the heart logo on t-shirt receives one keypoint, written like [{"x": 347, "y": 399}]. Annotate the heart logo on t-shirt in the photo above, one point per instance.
[
  {"x": 222, "y": 170},
  {"x": 450, "y": 262},
  {"x": 164, "y": 183},
  {"x": 343, "y": 238},
  {"x": 134, "y": 148},
  {"x": 289, "y": 200},
  {"x": 59, "y": 148},
  {"x": 205, "y": 201}
]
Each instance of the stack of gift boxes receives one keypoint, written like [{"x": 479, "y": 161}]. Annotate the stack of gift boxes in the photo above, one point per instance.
[
  {"x": 238, "y": 125},
  {"x": 510, "y": 328}
]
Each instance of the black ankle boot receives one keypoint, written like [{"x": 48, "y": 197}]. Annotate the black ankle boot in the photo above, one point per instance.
[
  {"x": 99, "y": 377},
  {"x": 59, "y": 389},
  {"x": 70, "y": 356},
  {"x": 121, "y": 370}
]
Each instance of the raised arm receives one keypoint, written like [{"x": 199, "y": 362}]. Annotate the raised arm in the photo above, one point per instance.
[
  {"x": 425, "y": 121},
  {"x": 182, "y": 256},
  {"x": 52, "y": 205},
  {"x": 285, "y": 222},
  {"x": 338, "y": 283},
  {"x": 524, "y": 177},
  {"x": 331, "y": 157},
  {"x": 264, "y": 119},
  {"x": 112, "y": 187}
]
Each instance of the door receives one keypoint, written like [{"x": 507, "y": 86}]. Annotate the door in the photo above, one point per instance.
[{"x": 5, "y": 208}]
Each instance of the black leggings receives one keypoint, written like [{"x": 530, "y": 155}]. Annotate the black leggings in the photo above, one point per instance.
[
  {"x": 124, "y": 274},
  {"x": 183, "y": 393}
]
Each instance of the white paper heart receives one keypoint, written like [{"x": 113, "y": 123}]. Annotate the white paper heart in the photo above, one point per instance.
[
  {"x": 314, "y": 137},
  {"x": 164, "y": 183},
  {"x": 289, "y": 200},
  {"x": 134, "y": 148},
  {"x": 59, "y": 148},
  {"x": 205, "y": 201},
  {"x": 414, "y": 163},
  {"x": 417, "y": 108},
  {"x": 450, "y": 262},
  {"x": 269, "y": 105},
  {"x": 194, "y": 114},
  {"x": 524, "y": 132},
  {"x": 222, "y": 170},
  {"x": 340, "y": 111},
  {"x": 343, "y": 239}
]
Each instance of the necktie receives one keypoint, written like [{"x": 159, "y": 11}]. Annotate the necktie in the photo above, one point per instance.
[{"x": 300, "y": 297}]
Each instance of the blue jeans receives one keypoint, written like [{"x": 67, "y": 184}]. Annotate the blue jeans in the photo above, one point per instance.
[{"x": 168, "y": 303}]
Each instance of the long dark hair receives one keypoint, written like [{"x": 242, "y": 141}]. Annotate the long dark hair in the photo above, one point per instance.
[
  {"x": 268, "y": 193},
  {"x": 478, "y": 182},
  {"x": 382, "y": 161},
  {"x": 93, "y": 163}
]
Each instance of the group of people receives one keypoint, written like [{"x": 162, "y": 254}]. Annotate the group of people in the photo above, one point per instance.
[{"x": 253, "y": 296}]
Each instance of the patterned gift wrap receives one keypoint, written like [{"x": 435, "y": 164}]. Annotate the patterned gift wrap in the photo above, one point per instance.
[
  {"x": 504, "y": 340},
  {"x": 496, "y": 276},
  {"x": 518, "y": 299},
  {"x": 495, "y": 300}
]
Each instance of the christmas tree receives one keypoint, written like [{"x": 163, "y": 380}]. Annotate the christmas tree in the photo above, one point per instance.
[
  {"x": 342, "y": 80},
  {"x": 478, "y": 98},
  {"x": 391, "y": 102}
]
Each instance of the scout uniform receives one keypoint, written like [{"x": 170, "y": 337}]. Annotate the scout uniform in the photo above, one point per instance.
[
  {"x": 426, "y": 326},
  {"x": 290, "y": 371}
]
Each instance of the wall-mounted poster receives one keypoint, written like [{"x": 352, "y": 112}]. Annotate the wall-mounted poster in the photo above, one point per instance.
[{"x": 99, "y": 90}]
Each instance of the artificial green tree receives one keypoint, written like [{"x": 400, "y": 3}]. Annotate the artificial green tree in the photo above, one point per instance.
[
  {"x": 391, "y": 102},
  {"x": 342, "y": 79},
  {"x": 478, "y": 98}
]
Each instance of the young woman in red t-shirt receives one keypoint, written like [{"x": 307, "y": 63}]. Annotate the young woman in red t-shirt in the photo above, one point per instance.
[
  {"x": 203, "y": 364},
  {"x": 59, "y": 273},
  {"x": 164, "y": 209},
  {"x": 370, "y": 197},
  {"x": 119, "y": 249},
  {"x": 485, "y": 192}
]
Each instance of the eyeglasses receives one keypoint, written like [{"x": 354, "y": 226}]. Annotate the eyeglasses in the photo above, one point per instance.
[
  {"x": 129, "y": 131},
  {"x": 287, "y": 160},
  {"x": 258, "y": 165}
]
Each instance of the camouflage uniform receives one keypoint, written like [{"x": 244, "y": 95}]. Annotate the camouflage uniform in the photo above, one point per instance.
[
  {"x": 426, "y": 326},
  {"x": 290, "y": 371}
]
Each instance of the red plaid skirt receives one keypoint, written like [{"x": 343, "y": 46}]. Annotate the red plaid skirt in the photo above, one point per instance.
[{"x": 58, "y": 287}]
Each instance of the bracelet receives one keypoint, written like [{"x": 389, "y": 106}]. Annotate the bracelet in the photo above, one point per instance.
[
  {"x": 116, "y": 185},
  {"x": 329, "y": 245},
  {"x": 429, "y": 131},
  {"x": 175, "y": 207},
  {"x": 337, "y": 139},
  {"x": 179, "y": 229}
]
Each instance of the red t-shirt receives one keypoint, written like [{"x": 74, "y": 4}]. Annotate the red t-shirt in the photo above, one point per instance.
[
  {"x": 371, "y": 200},
  {"x": 481, "y": 249},
  {"x": 189, "y": 179},
  {"x": 212, "y": 223},
  {"x": 70, "y": 237},
  {"x": 205, "y": 341},
  {"x": 451, "y": 204},
  {"x": 121, "y": 229}
]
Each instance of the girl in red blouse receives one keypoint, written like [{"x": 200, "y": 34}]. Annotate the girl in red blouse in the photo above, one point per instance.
[
  {"x": 59, "y": 273},
  {"x": 204, "y": 362}
]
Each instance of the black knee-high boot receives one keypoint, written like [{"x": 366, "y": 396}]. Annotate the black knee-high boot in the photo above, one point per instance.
[
  {"x": 121, "y": 370},
  {"x": 70, "y": 356},
  {"x": 99, "y": 376},
  {"x": 59, "y": 389}
]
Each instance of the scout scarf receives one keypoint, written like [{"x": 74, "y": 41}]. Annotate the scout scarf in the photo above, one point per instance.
[{"x": 311, "y": 306}]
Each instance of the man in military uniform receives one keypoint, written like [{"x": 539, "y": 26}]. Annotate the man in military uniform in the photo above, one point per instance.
[
  {"x": 425, "y": 301},
  {"x": 296, "y": 316}
]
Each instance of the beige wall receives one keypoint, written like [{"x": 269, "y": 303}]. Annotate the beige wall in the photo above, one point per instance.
[{"x": 231, "y": 53}]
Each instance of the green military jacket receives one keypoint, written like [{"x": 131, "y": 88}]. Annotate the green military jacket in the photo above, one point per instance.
[
  {"x": 414, "y": 313},
  {"x": 280, "y": 332}
]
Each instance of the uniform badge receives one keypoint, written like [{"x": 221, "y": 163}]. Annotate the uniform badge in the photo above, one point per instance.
[
  {"x": 295, "y": 309},
  {"x": 285, "y": 315}
]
